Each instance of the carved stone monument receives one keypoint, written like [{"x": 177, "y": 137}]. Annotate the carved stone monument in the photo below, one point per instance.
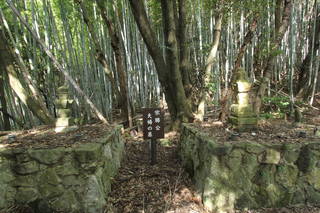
[
  {"x": 63, "y": 104},
  {"x": 242, "y": 115}
]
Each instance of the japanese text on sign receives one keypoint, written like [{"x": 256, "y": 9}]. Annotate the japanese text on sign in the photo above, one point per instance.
[{"x": 153, "y": 123}]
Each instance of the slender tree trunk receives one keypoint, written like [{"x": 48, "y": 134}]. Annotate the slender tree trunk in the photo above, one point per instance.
[
  {"x": 3, "y": 100},
  {"x": 211, "y": 60},
  {"x": 14, "y": 119},
  {"x": 303, "y": 88},
  {"x": 183, "y": 38},
  {"x": 168, "y": 71},
  {"x": 100, "y": 56},
  {"x": 118, "y": 48},
  {"x": 270, "y": 61}
]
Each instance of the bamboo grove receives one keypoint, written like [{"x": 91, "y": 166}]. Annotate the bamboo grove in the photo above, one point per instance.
[{"x": 119, "y": 56}]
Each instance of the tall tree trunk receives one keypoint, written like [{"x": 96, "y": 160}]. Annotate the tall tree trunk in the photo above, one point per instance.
[
  {"x": 173, "y": 63},
  {"x": 168, "y": 71},
  {"x": 270, "y": 61},
  {"x": 3, "y": 101},
  {"x": 183, "y": 38},
  {"x": 303, "y": 88},
  {"x": 210, "y": 61}
]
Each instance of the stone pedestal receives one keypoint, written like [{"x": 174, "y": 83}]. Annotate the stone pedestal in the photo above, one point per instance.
[
  {"x": 242, "y": 115},
  {"x": 63, "y": 104}
]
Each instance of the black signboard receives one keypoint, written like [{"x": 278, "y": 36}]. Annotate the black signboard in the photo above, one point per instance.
[{"x": 153, "y": 125}]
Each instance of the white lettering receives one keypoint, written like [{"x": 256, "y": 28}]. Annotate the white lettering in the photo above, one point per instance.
[
  {"x": 149, "y": 122},
  {"x": 157, "y": 112},
  {"x": 157, "y": 120},
  {"x": 149, "y": 134}
]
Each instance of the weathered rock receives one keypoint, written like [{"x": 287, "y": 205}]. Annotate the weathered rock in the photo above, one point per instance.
[
  {"x": 270, "y": 156},
  {"x": 49, "y": 191},
  {"x": 27, "y": 168},
  {"x": 313, "y": 178},
  {"x": 66, "y": 203},
  {"x": 22, "y": 158},
  {"x": 94, "y": 199},
  {"x": 7, "y": 195},
  {"x": 72, "y": 181},
  {"x": 25, "y": 181},
  {"x": 287, "y": 176},
  {"x": 291, "y": 152},
  {"x": 306, "y": 160},
  {"x": 50, "y": 176},
  {"x": 26, "y": 195},
  {"x": 47, "y": 156},
  {"x": 87, "y": 153}
]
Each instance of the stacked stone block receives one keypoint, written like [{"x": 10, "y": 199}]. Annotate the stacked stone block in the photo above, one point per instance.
[
  {"x": 63, "y": 104},
  {"x": 242, "y": 115}
]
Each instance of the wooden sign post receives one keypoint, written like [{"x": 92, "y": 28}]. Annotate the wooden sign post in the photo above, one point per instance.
[{"x": 153, "y": 128}]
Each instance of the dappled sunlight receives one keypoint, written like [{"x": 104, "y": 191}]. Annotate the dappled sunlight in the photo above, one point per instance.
[{"x": 220, "y": 200}]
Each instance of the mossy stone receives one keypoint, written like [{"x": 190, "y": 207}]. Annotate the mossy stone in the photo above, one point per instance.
[
  {"x": 246, "y": 201},
  {"x": 312, "y": 195},
  {"x": 6, "y": 176},
  {"x": 66, "y": 203},
  {"x": 287, "y": 176},
  {"x": 27, "y": 168},
  {"x": 50, "y": 176},
  {"x": 254, "y": 148},
  {"x": 87, "y": 153},
  {"x": 313, "y": 178},
  {"x": 250, "y": 164},
  {"x": 67, "y": 168},
  {"x": 47, "y": 156},
  {"x": 291, "y": 155},
  {"x": 26, "y": 195},
  {"x": 7, "y": 195},
  {"x": 72, "y": 181},
  {"x": 265, "y": 175},
  {"x": 25, "y": 181},
  {"x": 234, "y": 159},
  {"x": 299, "y": 197},
  {"x": 270, "y": 156},
  {"x": 50, "y": 191},
  {"x": 22, "y": 158},
  {"x": 307, "y": 159}
]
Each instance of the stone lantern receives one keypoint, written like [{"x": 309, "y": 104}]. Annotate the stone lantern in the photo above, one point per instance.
[
  {"x": 63, "y": 105},
  {"x": 242, "y": 115}
]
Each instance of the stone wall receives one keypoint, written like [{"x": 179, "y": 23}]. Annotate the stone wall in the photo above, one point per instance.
[
  {"x": 250, "y": 175},
  {"x": 71, "y": 179}
]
